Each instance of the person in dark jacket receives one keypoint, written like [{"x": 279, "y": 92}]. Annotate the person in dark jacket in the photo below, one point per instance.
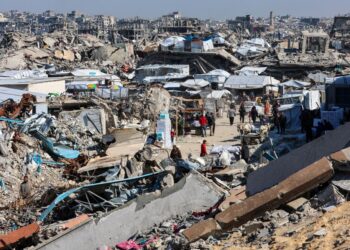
[
  {"x": 308, "y": 125},
  {"x": 175, "y": 153},
  {"x": 210, "y": 123},
  {"x": 245, "y": 152},
  {"x": 214, "y": 122},
  {"x": 282, "y": 122},
  {"x": 242, "y": 112},
  {"x": 253, "y": 114}
]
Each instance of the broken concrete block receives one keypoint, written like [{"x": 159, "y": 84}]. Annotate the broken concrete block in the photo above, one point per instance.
[
  {"x": 228, "y": 174},
  {"x": 49, "y": 41},
  {"x": 171, "y": 169},
  {"x": 320, "y": 233},
  {"x": 342, "y": 156},
  {"x": 68, "y": 55},
  {"x": 236, "y": 195},
  {"x": 294, "y": 186},
  {"x": 201, "y": 230},
  {"x": 296, "y": 204},
  {"x": 58, "y": 54},
  {"x": 168, "y": 181},
  {"x": 252, "y": 227}
]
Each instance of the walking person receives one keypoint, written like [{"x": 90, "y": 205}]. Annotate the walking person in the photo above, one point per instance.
[
  {"x": 213, "y": 118},
  {"x": 277, "y": 123},
  {"x": 231, "y": 114},
  {"x": 242, "y": 112},
  {"x": 253, "y": 114},
  {"x": 203, "y": 122},
  {"x": 210, "y": 123}
]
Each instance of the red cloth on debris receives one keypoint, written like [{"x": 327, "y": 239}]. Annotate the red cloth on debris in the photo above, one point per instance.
[{"x": 128, "y": 245}]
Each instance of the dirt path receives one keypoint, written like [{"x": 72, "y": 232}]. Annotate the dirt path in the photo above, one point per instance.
[{"x": 224, "y": 135}]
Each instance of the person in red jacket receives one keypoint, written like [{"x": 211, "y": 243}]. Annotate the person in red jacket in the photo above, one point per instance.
[
  {"x": 203, "y": 122},
  {"x": 204, "y": 148}
]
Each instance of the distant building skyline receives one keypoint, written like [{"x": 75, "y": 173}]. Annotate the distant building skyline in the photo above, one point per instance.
[{"x": 218, "y": 9}]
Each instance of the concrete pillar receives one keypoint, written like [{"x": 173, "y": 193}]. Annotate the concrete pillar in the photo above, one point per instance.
[
  {"x": 304, "y": 44},
  {"x": 327, "y": 45}
]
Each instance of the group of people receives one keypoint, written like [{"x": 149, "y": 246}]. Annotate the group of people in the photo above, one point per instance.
[
  {"x": 176, "y": 154},
  {"x": 231, "y": 113}
]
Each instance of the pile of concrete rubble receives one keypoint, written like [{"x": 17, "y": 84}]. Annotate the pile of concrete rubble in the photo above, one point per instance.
[{"x": 60, "y": 51}]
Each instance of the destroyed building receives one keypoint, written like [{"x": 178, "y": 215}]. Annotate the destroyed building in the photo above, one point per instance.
[
  {"x": 175, "y": 23},
  {"x": 172, "y": 133},
  {"x": 134, "y": 29},
  {"x": 240, "y": 23}
]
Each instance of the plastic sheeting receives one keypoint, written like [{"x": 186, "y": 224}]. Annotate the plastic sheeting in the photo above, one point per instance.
[
  {"x": 296, "y": 84},
  {"x": 88, "y": 73},
  {"x": 23, "y": 74},
  {"x": 216, "y": 75},
  {"x": 248, "y": 71},
  {"x": 292, "y": 113},
  {"x": 195, "y": 84},
  {"x": 218, "y": 94}
]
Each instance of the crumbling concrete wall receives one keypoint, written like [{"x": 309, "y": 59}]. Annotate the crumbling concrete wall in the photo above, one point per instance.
[{"x": 193, "y": 193}]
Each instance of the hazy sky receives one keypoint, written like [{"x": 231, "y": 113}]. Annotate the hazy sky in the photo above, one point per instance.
[{"x": 216, "y": 9}]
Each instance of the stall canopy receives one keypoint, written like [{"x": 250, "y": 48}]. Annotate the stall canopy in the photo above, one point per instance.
[{"x": 250, "y": 82}]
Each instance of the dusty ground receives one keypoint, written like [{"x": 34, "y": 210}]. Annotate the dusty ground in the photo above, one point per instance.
[{"x": 224, "y": 135}]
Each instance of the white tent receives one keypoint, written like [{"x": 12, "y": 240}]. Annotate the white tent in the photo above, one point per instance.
[
  {"x": 246, "y": 71},
  {"x": 218, "y": 94},
  {"x": 176, "y": 41},
  {"x": 195, "y": 83}
]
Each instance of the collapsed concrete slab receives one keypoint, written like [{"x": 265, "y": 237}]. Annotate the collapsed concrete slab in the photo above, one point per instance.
[
  {"x": 289, "y": 189},
  {"x": 194, "y": 192},
  {"x": 280, "y": 169},
  {"x": 254, "y": 206}
]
